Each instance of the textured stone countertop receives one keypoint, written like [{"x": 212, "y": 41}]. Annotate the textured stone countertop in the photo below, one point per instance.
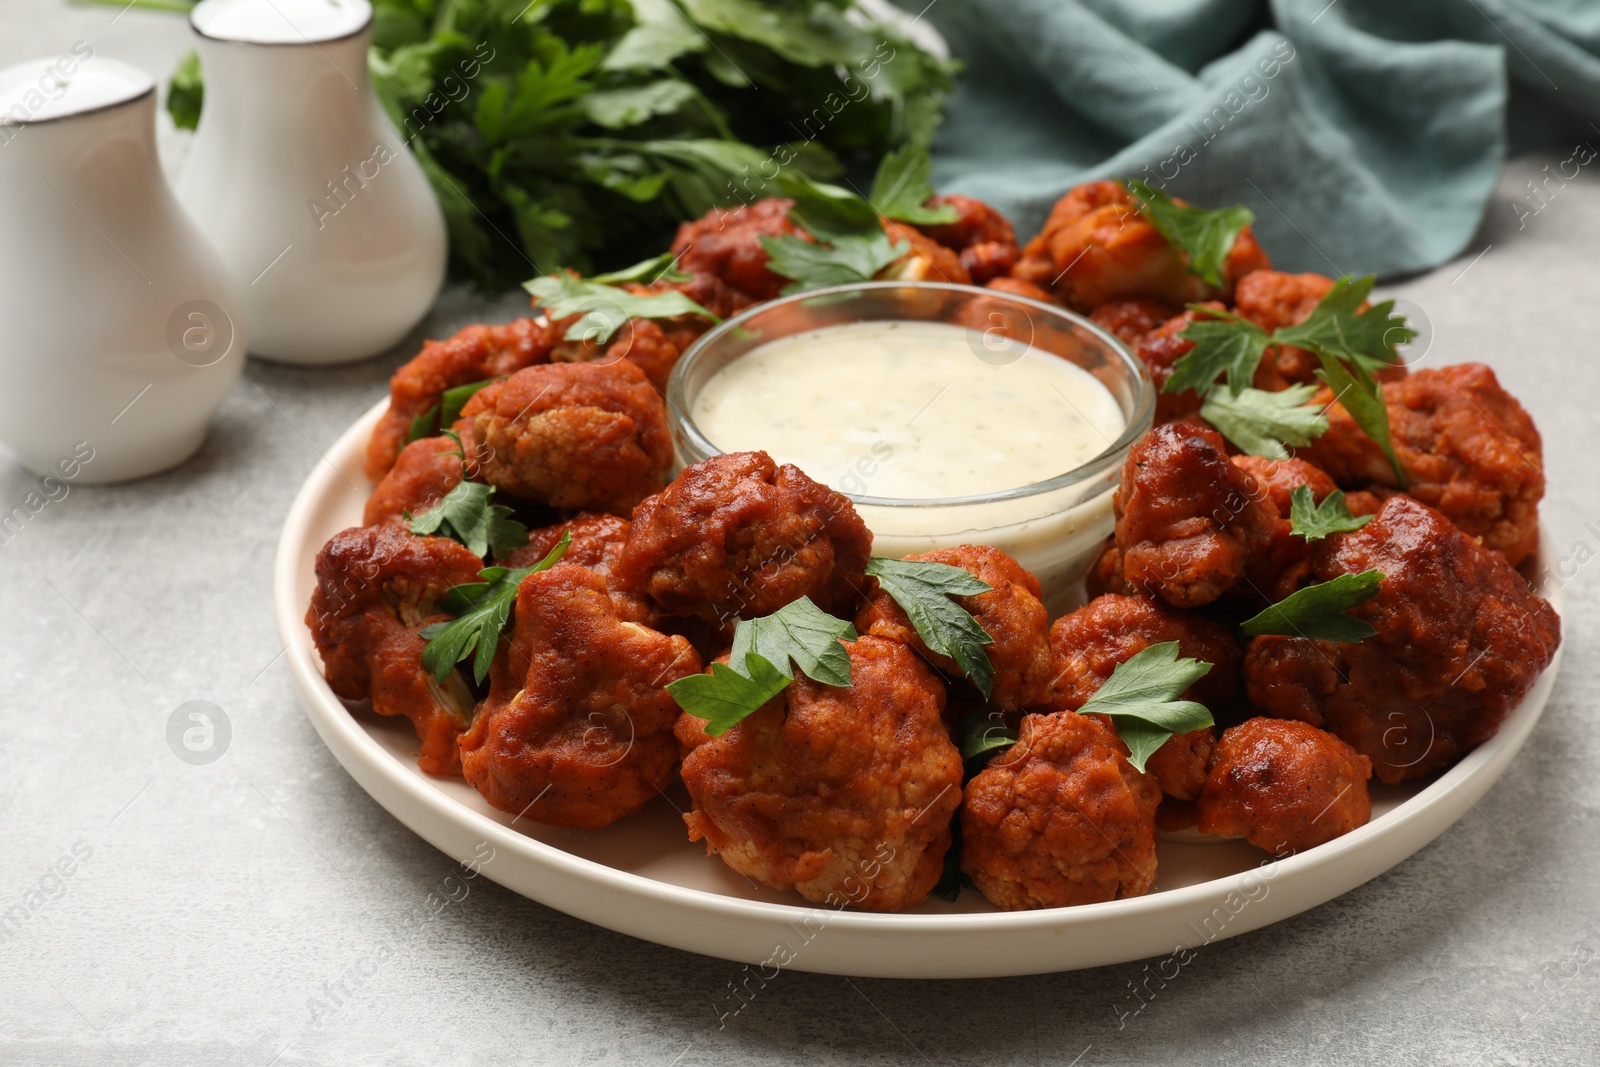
[{"x": 213, "y": 911}]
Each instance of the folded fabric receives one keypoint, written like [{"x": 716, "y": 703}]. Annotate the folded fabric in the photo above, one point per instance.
[{"x": 1366, "y": 135}]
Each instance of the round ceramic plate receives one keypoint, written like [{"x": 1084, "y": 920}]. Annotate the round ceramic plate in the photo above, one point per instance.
[{"x": 643, "y": 877}]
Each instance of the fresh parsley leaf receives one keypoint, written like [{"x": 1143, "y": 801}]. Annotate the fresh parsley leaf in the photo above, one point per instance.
[
  {"x": 1261, "y": 422},
  {"x": 466, "y": 515},
  {"x": 661, "y": 36},
  {"x": 984, "y": 734},
  {"x": 1361, "y": 395},
  {"x": 655, "y": 269},
  {"x": 444, "y": 414},
  {"x": 923, "y": 591},
  {"x": 901, "y": 189},
  {"x": 1367, "y": 338},
  {"x": 603, "y": 309},
  {"x": 847, "y": 260},
  {"x": 1142, "y": 699},
  {"x": 725, "y": 697},
  {"x": 630, "y": 105},
  {"x": 828, "y": 211},
  {"x": 1232, "y": 347},
  {"x": 1315, "y": 521},
  {"x": 1205, "y": 236},
  {"x": 186, "y": 94},
  {"x": 481, "y": 610},
  {"x": 799, "y": 631},
  {"x": 1317, "y": 611}
]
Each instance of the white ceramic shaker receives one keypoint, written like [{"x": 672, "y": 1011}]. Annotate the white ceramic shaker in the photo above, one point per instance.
[
  {"x": 296, "y": 175},
  {"x": 120, "y": 330}
]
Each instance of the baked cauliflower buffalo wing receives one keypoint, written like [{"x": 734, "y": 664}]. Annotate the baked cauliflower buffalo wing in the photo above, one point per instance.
[
  {"x": 1191, "y": 526},
  {"x": 842, "y": 794},
  {"x": 726, "y": 243},
  {"x": 1469, "y": 448},
  {"x": 426, "y": 470},
  {"x": 1284, "y": 786},
  {"x": 737, "y": 536},
  {"x": 577, "y": 728},
  {"x": 377, "y": 586},
  {"x": 983, "y": 237},
  {"x": 1089, "y": 644},
  {"x": 1060, "y": 818},
  {"x": 1097, "y": 247},
  {"x": 1011, "y": 612},
  {"x": 1461, "y": 639},
  {"x": 476, "y": 353},
  {"x": 572, "y": 435}
]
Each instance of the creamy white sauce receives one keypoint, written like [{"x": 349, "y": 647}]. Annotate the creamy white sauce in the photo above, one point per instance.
[
  {"x": 909, "y": 410},
  {"x": 924, "y": 411}
]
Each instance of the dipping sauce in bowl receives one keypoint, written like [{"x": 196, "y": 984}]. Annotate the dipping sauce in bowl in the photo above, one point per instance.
[{"x": 948, "y": 414}]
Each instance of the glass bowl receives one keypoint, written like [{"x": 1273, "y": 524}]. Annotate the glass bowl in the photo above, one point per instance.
[{"x": 1055, "y": 527}]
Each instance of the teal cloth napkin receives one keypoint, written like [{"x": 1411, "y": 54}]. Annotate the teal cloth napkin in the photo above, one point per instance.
[{"x": 1366, "y": 135}]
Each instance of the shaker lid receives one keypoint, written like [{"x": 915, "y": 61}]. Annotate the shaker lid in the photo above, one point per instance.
[
  {"x": 73, "y": 83},
  {"x": 280, "y": 21}
]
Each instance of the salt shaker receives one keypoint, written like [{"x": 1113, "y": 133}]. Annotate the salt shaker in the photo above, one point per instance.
[
  {"x": 120, "y": 330},
  {"x": 311, "y": 197}
]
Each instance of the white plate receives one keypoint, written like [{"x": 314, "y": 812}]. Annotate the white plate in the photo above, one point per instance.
[{"x": 643, "y": 877}]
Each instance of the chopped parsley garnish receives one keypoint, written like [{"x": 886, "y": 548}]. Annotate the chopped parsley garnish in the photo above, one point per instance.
[
  {"x": 1315, "y": 521},
  {"x": 1317, "y": 612},
  {"x": 1206, "y": 237},
  {"x": 481, "y": 610},
  {"x": 1142, "y": 699},
  {"x": 726, "y": 697},
  {"x": 984, "y": 734},
  {"x": 603, "y": 308},
  {"x": 1231, "y": 347},
  {"x": 466, "y": 515},
  {"x": 1349, "y": 343},
  {"x": 801, "y": 632},
  {"x": 645, "y": 272},
  {"x": 443, "y": 415},
  {"x": 758, "y": 666},
  {"x": 844, "y": 260},
  {"x": 923, "y": 591},
  {"x": 851, "y": 244},
  {"x": 1261, "y": 422},
  {"x": 901, "y": 188}
]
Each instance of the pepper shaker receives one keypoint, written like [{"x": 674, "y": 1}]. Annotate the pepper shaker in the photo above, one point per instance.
[
  {"x": 312, "y": 198},
  {"x": 121, "y": 330}
]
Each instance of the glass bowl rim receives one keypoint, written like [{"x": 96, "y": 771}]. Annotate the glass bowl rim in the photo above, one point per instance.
[{"x": 1137, "y": 425}]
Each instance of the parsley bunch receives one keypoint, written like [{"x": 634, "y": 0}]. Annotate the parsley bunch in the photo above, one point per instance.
[{"x": 562, "y": 133}]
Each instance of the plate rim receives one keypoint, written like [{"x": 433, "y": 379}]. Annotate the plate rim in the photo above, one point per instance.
[{"x": 343, "y": 734}]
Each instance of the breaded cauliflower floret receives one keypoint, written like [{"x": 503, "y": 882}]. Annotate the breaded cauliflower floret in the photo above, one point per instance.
[
  {"x": 475, "y": 353},
  {"x": 984, "y": 237},
  {"x": 427, "y": 469},
  {"x": 726, "y": 242},
  {"x": 1461, "y": 639},
  {"x": 1284, "y": 786},
  {"x": 844, "y": 795},
  {"x": 1191, "y": 526},
  {"x": 577, "y": 729},
  {"x": 1097, "y": 247},
  {"x": 1011, "y": 612},
  {"x": 377, "y": 586},
  {"x": 1469, "y": 448},
  {"x": 737, "y": 536},
  {"x": 573, "y": 435},
  {"x": 1060, "y": 818}
]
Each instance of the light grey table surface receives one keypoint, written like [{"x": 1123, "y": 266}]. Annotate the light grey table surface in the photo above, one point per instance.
[{"x": 234, "y": 913}]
